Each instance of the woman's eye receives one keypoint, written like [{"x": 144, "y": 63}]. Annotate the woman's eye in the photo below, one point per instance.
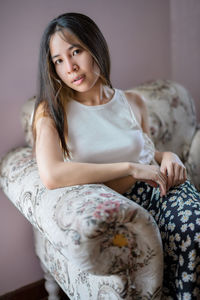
[
  {"x": 75, "y": 52},
  {"x": 58, "y": 62}
]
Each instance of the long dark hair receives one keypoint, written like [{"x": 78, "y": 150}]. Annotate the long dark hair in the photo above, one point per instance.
[{"x": 52, "y": 92}]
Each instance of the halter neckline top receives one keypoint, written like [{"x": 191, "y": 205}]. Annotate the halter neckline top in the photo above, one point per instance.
[{"x": 107, "y": 133}]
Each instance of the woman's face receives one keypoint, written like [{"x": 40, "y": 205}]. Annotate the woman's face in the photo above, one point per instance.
[{"x": 73, "y": 64}]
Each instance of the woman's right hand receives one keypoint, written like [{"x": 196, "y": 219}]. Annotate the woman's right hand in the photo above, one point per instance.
[{"x": 150, "y": 174}]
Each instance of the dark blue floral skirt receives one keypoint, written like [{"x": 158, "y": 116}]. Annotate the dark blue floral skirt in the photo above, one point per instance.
[{"x": 178, "y": 217}]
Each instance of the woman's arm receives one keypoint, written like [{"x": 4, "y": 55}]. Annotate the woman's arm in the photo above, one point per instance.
[{"x": 55, "y": 172}]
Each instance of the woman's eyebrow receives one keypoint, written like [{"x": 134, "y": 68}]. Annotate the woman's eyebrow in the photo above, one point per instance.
[{"x": 70, "y": 48}]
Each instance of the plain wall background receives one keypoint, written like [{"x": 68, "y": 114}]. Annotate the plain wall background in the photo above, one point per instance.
[
  {"x": 147, "y": 39},
  {"x": 185, "y": 46}
]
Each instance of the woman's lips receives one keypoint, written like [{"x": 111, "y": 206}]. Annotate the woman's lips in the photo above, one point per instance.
[{"x": 79, "y": 79}]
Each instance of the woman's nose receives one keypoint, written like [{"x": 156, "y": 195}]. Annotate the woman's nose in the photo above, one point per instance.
[{"x": 71, "y": 66}]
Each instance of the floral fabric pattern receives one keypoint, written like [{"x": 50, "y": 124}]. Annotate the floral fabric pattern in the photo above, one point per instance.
[
  {"x": 178, "y": 217},
  {"x": 89, "y": 228}
]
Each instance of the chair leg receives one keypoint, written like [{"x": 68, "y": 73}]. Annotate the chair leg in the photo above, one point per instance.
[{"x": 50, "y": 285}]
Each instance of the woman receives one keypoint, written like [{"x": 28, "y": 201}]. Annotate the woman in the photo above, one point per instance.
[{"x": 103, "y": 133}]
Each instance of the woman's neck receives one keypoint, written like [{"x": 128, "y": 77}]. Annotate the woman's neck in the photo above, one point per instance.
[{"x": 99, "y": 94}]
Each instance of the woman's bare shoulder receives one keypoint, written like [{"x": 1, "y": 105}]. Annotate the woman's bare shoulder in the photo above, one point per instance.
[
  {"x": 140, "y": 109},
  {"x": 135, "y": 99},
  {"x": 137, "y": 105},
  {"x": 40, "y": 111}
]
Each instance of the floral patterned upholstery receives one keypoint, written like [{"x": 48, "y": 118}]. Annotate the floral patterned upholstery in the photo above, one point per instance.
[
  {"x": 96, "y": 243},
  {"x": 89, "y": 229}
]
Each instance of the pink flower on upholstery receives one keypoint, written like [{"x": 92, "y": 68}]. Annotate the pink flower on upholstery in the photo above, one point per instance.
[
  {"x": 108, "y": 195},
  {"x": 88, "y": 193},
  {"x": 175, "y": 102},
  {"x": 106, "y": 209}
]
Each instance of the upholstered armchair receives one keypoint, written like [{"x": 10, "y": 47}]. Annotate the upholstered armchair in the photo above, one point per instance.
[{"x": 91, "y": 241}]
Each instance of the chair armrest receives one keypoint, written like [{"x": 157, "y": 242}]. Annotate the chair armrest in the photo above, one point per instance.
[{"x": 94, "y": 227}]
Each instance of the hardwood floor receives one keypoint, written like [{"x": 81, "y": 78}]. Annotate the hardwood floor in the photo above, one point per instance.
[
  {"x": 62, "y": 296},
  {"x": 34, "y": 291}
]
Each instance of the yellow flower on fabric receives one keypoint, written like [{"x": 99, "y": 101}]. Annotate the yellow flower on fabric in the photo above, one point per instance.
[
  {"x": 185, "y": 277},
  {"x": 140, "y": 190},
  {"x": 197, "y": 237},
  {"x": 192, "y": 255},
  {"x": 120, "y": 240},
  {"x": 177, "y": 237},
  {"x": 192, "y": 265}
]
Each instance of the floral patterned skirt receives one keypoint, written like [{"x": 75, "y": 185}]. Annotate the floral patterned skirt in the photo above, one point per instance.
[{"x": 178, "y": 217}]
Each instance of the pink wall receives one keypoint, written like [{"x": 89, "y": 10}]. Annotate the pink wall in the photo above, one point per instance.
[
  {"x": 185, "y": 46},
  {"x": 138, "y": 34}
]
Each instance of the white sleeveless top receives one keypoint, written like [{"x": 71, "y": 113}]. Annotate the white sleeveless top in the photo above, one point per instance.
[{"x": 107, "y": 133}]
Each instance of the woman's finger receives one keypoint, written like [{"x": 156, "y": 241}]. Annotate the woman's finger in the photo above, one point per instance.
[
  {"x": 170, "y": 176},
  {"x": 177, "y": 174},
  {"x": 183, "y": 175},
  {"x": 161, "y": 179}
]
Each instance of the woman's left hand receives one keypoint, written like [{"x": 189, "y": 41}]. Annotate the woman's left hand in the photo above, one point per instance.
[{"x": 172, "y": 166}]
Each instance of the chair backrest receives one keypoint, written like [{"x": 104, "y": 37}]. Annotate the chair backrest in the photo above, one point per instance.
[
  {"x": 172, "y": 116},
  {"x": 26, "y": 120}
]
